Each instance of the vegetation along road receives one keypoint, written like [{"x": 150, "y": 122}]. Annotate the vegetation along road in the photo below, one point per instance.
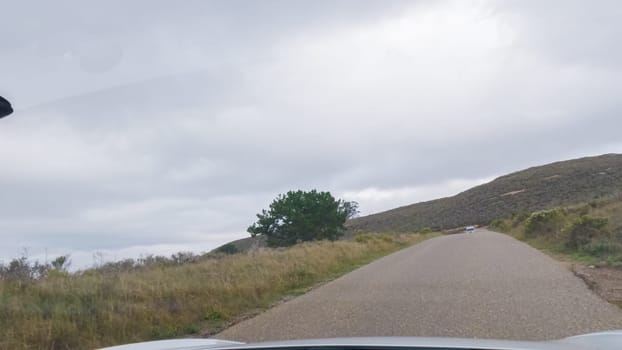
[{"x": 484, "y": 285}]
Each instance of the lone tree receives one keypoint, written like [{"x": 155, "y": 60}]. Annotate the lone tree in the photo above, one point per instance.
[{"x": 303, "y": 216}]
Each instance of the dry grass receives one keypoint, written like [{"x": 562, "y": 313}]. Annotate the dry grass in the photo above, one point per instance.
[{"x": 96, "y": 308}]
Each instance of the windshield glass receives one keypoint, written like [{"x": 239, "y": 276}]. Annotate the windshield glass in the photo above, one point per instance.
[{"x": 205, "y": 168}]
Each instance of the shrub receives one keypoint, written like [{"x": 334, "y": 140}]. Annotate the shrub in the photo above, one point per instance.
[
  {"x": 519, "y": 218},
  {"x": 22, "y": 271},
  {"x": 583, "y": 210},
  {"x": 499, "y": 225},
  {"x": 585, "y": 229},
  {"x": 602, "y": 248},
  {"x": 61, "y": 263},
  {"x": 181, "y": 258},
  {"x": 388, "y": 238},
  {"x": 154, "y": 260},
  {"x": 364, "y": 237},
  {"x": 228, "y": 248},
  {"x": 544, "y": 223},
  {"x": 118, "y": 266}
]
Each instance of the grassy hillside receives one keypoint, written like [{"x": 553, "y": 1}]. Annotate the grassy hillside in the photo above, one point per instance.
[
  {"x": 552, "y": 185},
  {"x": 242, "y": 245},
  {"x": 591, "y": 232},
  {"x": 162, "y": 298}
]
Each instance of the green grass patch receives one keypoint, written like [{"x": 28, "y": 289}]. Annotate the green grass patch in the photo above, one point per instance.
[{"x": 588, "y": 233}]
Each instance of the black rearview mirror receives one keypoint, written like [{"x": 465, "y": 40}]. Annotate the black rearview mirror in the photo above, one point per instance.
[{"x": 5, "y": 107}]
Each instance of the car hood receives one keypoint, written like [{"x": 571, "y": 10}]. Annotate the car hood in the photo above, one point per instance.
[{"x": 611, "y": 340}]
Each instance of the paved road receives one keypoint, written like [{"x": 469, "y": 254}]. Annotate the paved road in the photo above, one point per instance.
[{"x": 483, "y": 285}]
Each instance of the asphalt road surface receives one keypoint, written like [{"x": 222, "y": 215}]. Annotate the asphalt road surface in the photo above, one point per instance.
[{"x": 480, "y": 285}]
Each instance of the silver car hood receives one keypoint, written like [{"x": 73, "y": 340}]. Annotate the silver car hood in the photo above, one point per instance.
[{"x": 611, "y": 340}]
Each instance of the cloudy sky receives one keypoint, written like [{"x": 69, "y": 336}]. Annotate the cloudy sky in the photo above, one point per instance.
[{"x": 155, "y": 127}]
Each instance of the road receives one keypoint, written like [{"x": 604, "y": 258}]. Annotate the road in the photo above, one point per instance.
[{"x": 481, "y": 285}]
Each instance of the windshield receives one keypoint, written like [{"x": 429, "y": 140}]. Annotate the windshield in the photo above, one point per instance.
[{"x": 258, "y": 171}]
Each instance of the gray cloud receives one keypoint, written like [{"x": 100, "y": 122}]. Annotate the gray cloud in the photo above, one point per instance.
[{"x": 161, "y": 127}]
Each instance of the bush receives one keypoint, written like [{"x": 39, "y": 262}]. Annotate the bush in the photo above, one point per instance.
[
  {"x": 23, "y": 271},
  {"x": 118, "y": 266},
  {"x": 228, "y": 248},
  {"x": 181, "y": 258},
  {"x": 602, "y": 248},
  {"x": 583, "y": 210},
  {"x": 364, "y": 237},
  {"x": 519, "y": 218},
  {"x": 585, "y": 229},
  {"x": 544, "y": 223},
  {"x": 499, "y": 225},
  {"x": 61, "y": 263}
]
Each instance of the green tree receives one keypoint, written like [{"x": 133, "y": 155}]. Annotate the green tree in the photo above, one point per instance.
[{"x": 303, "y": 216}]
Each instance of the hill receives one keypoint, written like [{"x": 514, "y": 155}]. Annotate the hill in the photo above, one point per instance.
[
  {"x": 242, "y": 245},
  {"x": 537, "y": 188}
]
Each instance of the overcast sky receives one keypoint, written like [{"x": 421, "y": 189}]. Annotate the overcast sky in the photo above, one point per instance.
[{"x": 154, "y": 127}]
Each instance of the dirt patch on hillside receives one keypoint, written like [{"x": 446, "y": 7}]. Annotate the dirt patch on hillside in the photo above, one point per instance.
[
  {"x": 605, "y": 281},
  {"x": 511, "y": 193}
]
